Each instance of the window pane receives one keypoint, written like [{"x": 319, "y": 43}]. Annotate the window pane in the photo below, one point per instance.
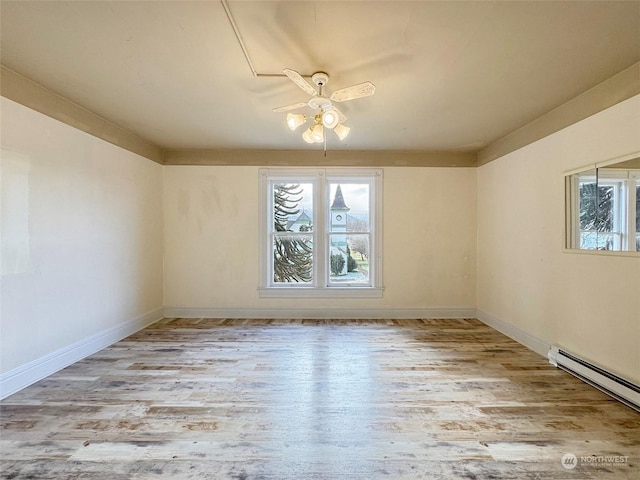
[
  {"x": 599, "y": 241},
  {"x": 292, "y": 207},
  {"x": 349, "y": 258},
  {"x": 597, "y": 217},
  {"x": 292, "y": 258},
  {"x": 596, "y": 207},
  {"x": 349, "y": 207}
]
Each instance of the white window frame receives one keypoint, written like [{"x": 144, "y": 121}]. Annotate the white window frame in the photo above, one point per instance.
[
  {"x": 320, "y": 286},
  {"x": 624, "y": 182},
  {"x": 634, "y": 184}
]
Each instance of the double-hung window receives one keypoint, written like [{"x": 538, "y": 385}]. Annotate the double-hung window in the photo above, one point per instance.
[
  {"x": 320, "y": 232},
  {"x": 606, "y": 210}
]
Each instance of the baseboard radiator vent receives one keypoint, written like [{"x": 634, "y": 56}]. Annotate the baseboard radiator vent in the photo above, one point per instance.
[{"x": 611, "y": 384}]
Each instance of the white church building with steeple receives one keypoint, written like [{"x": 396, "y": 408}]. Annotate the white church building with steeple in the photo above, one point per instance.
[{"x": 338, "y": 214}]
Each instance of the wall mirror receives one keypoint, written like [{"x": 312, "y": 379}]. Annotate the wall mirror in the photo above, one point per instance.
[{"x": 603, "y": 207}]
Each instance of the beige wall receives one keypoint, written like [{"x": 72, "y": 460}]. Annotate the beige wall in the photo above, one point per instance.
[
  {"x": 211, "y": 241},
  {"x": 81, "y": 238},
  {"x": 588, "y": 304},
  {"x": 82, "y": 241}
]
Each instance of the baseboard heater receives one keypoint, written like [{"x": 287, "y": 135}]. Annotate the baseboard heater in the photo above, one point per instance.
[{"x": 613, "y": 385}]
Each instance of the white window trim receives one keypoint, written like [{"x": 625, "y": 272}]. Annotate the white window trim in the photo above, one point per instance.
[
  {"x": 625, "y": 182},
  {"x": 320, "y": 286},
  {"x": 633, "y": 184}
]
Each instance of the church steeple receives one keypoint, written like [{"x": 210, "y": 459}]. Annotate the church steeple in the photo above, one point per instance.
[
  {"x": 339, "y": 247},
  {"x": 338, "y": 201}
]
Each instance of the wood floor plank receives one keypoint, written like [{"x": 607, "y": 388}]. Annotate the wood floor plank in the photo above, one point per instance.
[{"x": 319, "y": 400}]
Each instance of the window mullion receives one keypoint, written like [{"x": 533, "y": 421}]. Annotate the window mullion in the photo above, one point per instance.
[
  {"x": 619, "y": 215},
  {"x": 634, "y": 184},
  {"x": 629, "y": 198}
]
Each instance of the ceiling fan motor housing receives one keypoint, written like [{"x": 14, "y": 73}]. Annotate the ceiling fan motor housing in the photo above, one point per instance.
[
  {"x": 319, "y": 102},
  {"x": 320, "y": 79}
]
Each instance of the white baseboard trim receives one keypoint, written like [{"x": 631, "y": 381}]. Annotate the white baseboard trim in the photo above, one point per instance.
[
  {"x": 532, "y": 342},
  {"x": 319, "y": 313},
  {"x": 29, "y": 373}
]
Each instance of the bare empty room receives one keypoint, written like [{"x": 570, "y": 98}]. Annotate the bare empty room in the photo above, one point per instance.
[{"x": 320, "y": 240}]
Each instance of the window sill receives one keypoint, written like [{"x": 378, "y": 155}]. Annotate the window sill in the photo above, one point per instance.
[
  {"x": 603, "y": 253},
  {"x": 326, "y": 292}
]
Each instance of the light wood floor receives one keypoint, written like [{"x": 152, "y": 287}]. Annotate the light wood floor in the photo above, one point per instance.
[{"x": 248, "y": 400}]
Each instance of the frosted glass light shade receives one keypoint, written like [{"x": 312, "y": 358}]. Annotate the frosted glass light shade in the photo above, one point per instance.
[
  {"x": 294, "y": 120},
  {"x": 342, "y": 131},
  {"x": 329, "y": 119},
  {"x": 318, "y": 133},
  {"x": 307, "y": 136}
]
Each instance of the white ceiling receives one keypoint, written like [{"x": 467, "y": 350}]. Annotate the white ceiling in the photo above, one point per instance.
[{"x": 450, "y": 76}]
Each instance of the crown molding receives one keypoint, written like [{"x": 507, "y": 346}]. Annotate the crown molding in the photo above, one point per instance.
[
  {"x": 620, "y": 87},
  {"x": 318, "y": 158},
  {"x": 25, "y": 91}
]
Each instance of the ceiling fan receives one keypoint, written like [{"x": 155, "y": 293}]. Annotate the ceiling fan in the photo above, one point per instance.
[{"x": 326, "y": 114}]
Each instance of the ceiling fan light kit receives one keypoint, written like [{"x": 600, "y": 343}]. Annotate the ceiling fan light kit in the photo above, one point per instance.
[
  {"x": 294, "y": 120},
  {"x": 307, "y": 136},
  {"x": 318, "y": 133},
  {"x": 329, "y": 119},
  {"x": 342, "y": 131},
  {"x": 314, "y": 134},
  {"x": 326, "y": 114}
]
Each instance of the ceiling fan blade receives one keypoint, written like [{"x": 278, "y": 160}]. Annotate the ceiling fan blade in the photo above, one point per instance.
[
  {"x": 293, "y": 106},
  {"x": 341, "y": 116},
  {"x": 299, "y": 81},
  {"x": 354, "y": 91}
]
